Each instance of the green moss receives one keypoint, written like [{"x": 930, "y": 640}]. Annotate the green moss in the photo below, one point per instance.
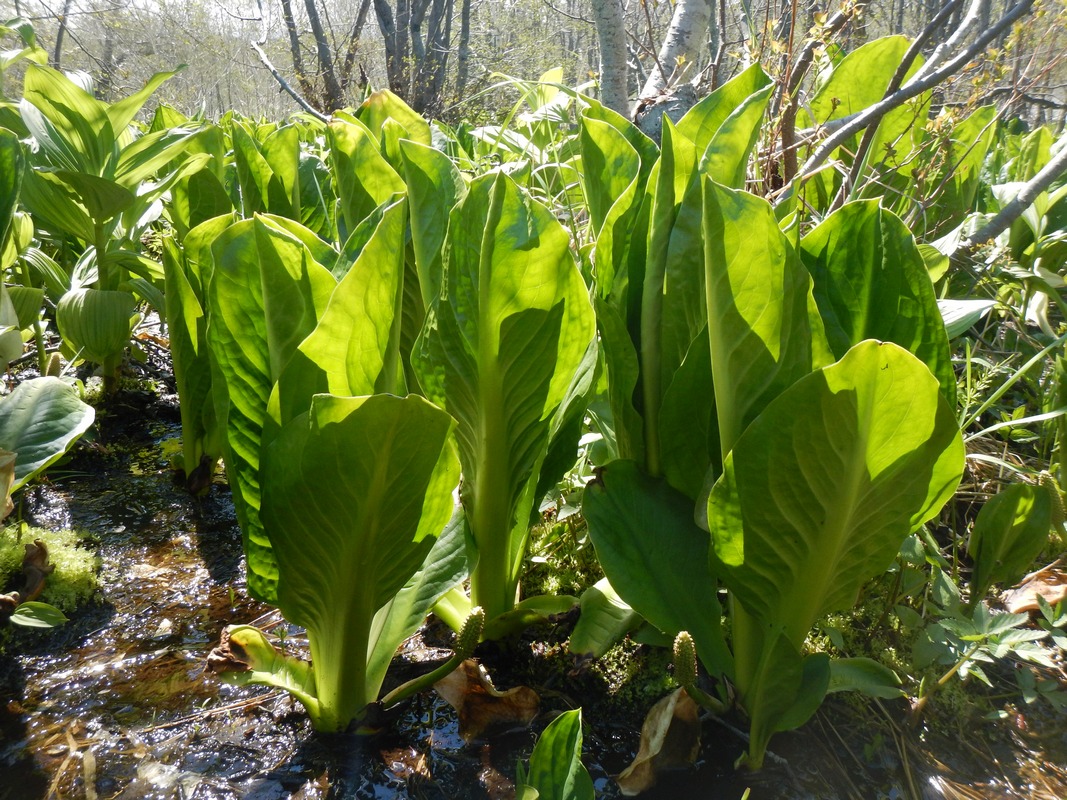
[
  {"x": 560, "y": 559},
  {"x": 74, "y": 580},
  {"x": 636, "y": 676}
]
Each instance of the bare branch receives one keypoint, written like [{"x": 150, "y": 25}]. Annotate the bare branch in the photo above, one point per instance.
[
  {"x": 913, "y": 88},
  {"x": 293, "y": 93},
  {"x": 1023, "y": 200}
]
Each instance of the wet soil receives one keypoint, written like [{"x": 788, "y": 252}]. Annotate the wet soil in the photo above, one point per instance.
[{"x": 117, "y": 704}]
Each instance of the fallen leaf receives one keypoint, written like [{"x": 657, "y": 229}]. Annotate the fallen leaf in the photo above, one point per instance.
[
  {"x": 480, "y": 706},
  {"x": 670, "y": 738},
  {"x": 1050, "y": 584}
]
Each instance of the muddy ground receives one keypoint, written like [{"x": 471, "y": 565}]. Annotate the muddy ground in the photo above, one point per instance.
[{"x": 117, "y": 703}]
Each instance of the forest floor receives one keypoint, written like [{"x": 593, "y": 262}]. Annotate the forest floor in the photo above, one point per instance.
[{"x": 117, "y": 703}]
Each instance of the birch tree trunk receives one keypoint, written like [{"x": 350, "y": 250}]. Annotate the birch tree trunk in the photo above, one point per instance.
[
  {"x": 682, "y": 44},
  {"x": 614, "y": 74}
]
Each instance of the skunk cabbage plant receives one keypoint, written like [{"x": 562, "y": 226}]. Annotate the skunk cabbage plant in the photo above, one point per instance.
[
  {"x": 823, "y": 468},
  {"x": 505, "y": 343}
]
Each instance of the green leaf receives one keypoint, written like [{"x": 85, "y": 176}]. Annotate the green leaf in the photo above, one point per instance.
[
  {"x": 70, "y": 125},
  {"x": 32, "y": 614},
  {"x": 1011, "y": 530},
  {"x": 97, "y": 323},
  {"x": 355, "y": 493},
  {"x": 780, "y": 690},
  {"x": 187, "y": 325},
  {"x": 121, "y": 113},
  {"x": 605, "y": 619},
  {"x": 27, "y": 302},
  {"x": 556, "y": 770},
  {"x": 500, "y": 349},
  {"x": 39, "y": 421},
  {"x": 262, "y": 189},
  {"x": 529, "y": 611},
  {"x": 763, "y": 324},
  {"x": 445, "y": 567},
  {"x": 871, "y": 283},
  {"x": 148, "y": 154},
  {"x": 265, "y": 296},
  {"x": 654, "y": 555},
  {"x": 363, "y": 178},
  {"x": 821, "y": 490},
  {"x": 355, "y": 347},
  {"x": 859, "y": 81},
  {"x": 56, "y": 207},
  {"x": 864, "y": 675},
  {"x": 434, "y": 185},
  {"x": 960, "y": 316},
  {"x": 103, "y": 199},
  {"x": 12, "y": 167},
  {"x": 703, "y": 121},
  {"x": 257, "y": 661}
]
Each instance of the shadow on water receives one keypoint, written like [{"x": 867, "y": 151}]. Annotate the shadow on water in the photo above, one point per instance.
[{"x": 118, "y": 698}]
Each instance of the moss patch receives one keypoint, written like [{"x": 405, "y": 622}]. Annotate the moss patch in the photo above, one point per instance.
[{"x": 75, "y": 578}]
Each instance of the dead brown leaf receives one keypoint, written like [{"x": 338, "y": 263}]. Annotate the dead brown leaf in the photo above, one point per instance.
[
  {"x": 480, "y": 706},
  {"x": 1050, "y": 584},
  {"x": 670, "y": 738}
]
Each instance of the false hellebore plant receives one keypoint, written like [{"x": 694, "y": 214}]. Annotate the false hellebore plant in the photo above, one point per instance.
[{"x": 809, "y": 472}]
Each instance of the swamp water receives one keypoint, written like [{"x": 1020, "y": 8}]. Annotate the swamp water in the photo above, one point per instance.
[{"x": 116, "y": 703}]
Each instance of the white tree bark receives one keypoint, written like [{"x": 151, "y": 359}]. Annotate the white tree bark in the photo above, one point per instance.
[
  {"x": 682, "y": 44},
  {"x": 614, "y": 73}
]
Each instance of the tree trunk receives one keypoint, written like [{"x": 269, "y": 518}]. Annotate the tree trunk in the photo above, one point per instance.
[
  {"x": 682, "y": 44},
  {"x": 394, "y": 30},
  {"x": 353, "y": 45},
  {"x": 432, "y": 59},
  {"x": 333, "y": 96},
  {"x": 463, "y": 57},
  {"x": 306, "y": 87},
  {"x": 58, "y": 54},
  {"x": 611, "y": 33}
]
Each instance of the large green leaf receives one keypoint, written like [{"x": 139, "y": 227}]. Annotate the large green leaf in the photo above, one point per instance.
[
  {"x": 363, "y": 179},
  {"x": 556, "y": 770},
  {"x": 12, "y": 166},
  {"x": 70, "y": 125},
  {"x": 354, "y": 349},
  {"x": 262, "y": 188},
  {"x": 703, "y": 121},
  {"x": 355, "y": 493},
  {"x": 871, "y": 283},
  {"x": 444, "y": 568},
  {"x": 820, "y": 491},
  {"x": 500, "y": 349},
  {"x": 435, "y": 185},
  {"x": 655, "y": 556},
  {"x": 763, "y": 324},
  {"x": 265, "y": 296},
  {"x": 39, "y": 421},
  {"x": 1011, "y": 530},
  {"x": 97, "y": 323},
  {"x": 121, "y": 113}
]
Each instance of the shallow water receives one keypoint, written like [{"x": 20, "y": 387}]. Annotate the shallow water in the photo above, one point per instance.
[{"x": 117, "y": 704}]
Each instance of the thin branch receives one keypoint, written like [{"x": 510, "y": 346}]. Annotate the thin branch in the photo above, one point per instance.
[
  {"x": 895, "y": 82},
  {"x": 1023, "y": 200},
  {"x": 914, "y": 88},
  {"x": 563, "y": 13},
  {"x": 293, "y": 93},
  {"x": 800, "y": 69}
]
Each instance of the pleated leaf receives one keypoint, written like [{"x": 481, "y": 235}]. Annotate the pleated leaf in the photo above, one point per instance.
[
  {"x": 356, "y": 491},
  {"x": 265, "y": 296},
  {"x": 820, "y": 491}
]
